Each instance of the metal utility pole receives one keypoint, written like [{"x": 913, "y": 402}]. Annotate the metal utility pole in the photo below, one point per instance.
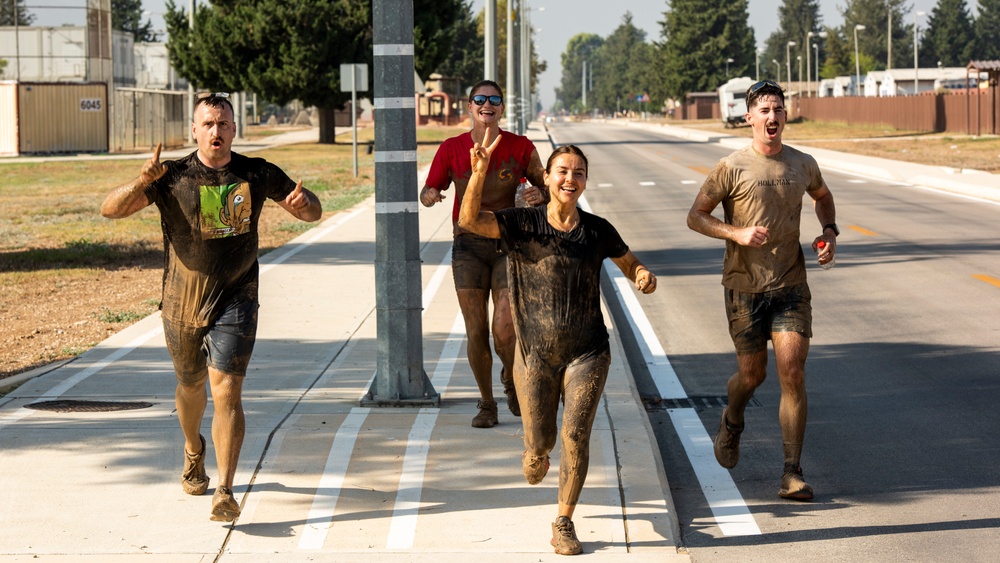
[
  {"x": 524, "y": 76},
  {"x": 400, "y": 379},
  {"x": 490, "y": 51},
  {"x": 190, "y": 104},
  {"x": 583, "y": 84},
  {"x": 511, "y": 74}
]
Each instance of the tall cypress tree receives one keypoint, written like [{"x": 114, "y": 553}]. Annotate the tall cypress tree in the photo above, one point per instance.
[
  {"x": 949, "y": 37},
  {"x": 126, "y": 15},
  {"x": 581, "y": 47},
  {"x": 698, "y": 36},
  {"x": 796, "y": 18},
  {"x": 987, "y": 26},
  {"x": 614, "y": 77}
]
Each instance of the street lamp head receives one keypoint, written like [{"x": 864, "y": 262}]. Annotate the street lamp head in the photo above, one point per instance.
[
  {"x": 775, "y": 61},
  {"x": 859, "y": 27},
  {"x": 791, "y": 43},
  {"x": 921, "y": 13},
  {"x": 730, "y": 60}
]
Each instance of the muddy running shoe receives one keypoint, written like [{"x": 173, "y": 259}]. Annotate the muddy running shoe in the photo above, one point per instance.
[
  {"x": 793, "y": 486},
  {"x": 487, "y": 417},
  {"x": 564, "y": 537},
  {"x": 224, "y": 506},
  {"x": 727, "y": 442},
  {"x": 194, "y": 480},
  {"x": 535, "y": 467},
  {"x": 510, "y": 392}
]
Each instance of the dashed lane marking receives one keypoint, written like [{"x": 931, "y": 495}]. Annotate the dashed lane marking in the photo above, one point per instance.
[
  {"x": 862, "y": 230},
  {"x": 988, "y": 279}
]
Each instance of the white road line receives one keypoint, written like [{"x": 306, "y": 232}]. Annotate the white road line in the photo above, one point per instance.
[
  {"x": 319, "y": 521},
  {"x": 647, "y": 183},
  {"x": 689, "y": 181},
  {"x": 857, "y": 181},
  {"x": 403, "y": 526},
  {"x": 449, "y": 356},
  {"x": 668, "y": 385},
  {"x": 295, "y": 249},
  {"x": 605, "y": 185},
  {"x": 612, "y": 489},
  {"x": 728, "y": 507},
  {"x": 436, "y": 280}
]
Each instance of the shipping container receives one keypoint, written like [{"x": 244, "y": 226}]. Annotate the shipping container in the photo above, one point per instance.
[
  {"x": 8, "y": 118},
  {"x": 62, "y": 117}
]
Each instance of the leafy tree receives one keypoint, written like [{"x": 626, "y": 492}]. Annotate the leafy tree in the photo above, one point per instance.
[
  {"x": 796, "y": 18},
  {"x": 7, "y": 11},
  {"x": 950, "y": 36},
  {"x": 873, "y": 41},
  {"x": 126, "y": 15},
  {"x": 838, "y": 57},
  {"x": 293, "y": 49},
  {"x": 698, "y": 36},
  {"x": 465, "y": 61},
  {"x": 987, "y": 26},
  {"x": 581, "y": 47},
  {"x": 614, "y": 75}
]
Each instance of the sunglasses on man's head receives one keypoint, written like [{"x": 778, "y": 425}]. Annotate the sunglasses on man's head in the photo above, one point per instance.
[
  {"x": 204, "y": 95},
  {"x": 480, "y": 99},
  {"x": 762, "y": 84}
]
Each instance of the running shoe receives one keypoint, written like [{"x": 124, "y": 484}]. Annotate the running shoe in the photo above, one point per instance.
[
  {"x": 487, "y": 417},
  {"x": 727, "y": 442},
  {"x": 564, "y": 537},
  {"x": 793, "y": 486},
  {"x": 510, "y": 392},
  {"x": 224, "y": 506},
  {"x": 535, "y": 467},
  {"x": 194, "y": 480}
]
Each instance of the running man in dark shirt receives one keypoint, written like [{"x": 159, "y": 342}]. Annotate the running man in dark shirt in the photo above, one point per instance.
[
  {"x": 554, "y": 257},
  {"x": 209, "y": 203}
]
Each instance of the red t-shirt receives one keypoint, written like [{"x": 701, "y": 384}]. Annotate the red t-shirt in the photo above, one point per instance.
[{"x": 508, "y": 165}]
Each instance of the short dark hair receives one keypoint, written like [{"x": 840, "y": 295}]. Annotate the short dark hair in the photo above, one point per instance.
[
  {"x": 761, "y": 89},
  {"x": 214, "y": 101},
  {"x": 567, "y": 149},
  {"x": 482, "y": 83}
]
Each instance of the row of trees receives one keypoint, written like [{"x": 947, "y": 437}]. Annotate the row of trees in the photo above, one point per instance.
[{"x": 705, "y": 42}]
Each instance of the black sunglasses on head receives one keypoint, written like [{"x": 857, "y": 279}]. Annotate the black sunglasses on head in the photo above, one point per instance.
[
  {"x": 762, "y": 84},
  {"x": 204, "y": 95},
  {"x": 480, "y": 99}
]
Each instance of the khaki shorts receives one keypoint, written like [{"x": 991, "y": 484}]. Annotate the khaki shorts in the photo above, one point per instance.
[
  {"x": 478, "y": 263},
  {"x": 754, "y": 316},
  {"x": 226, "y": 345}
]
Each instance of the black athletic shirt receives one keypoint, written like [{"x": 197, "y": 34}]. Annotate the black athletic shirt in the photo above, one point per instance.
[
  {"x": 554, "y": 280},
  {"x": 209, "y": 220}
]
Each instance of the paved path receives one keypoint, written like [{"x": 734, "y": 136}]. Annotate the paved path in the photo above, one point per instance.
[{"x": 320, "y": 478}]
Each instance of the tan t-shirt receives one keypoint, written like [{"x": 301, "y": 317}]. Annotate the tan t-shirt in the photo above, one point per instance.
[{"x": 766, "y": 191}]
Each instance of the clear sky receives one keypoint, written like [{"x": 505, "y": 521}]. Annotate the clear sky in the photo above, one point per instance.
[{"x": 560, "y": 20}]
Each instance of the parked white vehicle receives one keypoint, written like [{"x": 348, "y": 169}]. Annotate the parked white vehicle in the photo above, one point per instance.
[{"x": 732, "y": 100}]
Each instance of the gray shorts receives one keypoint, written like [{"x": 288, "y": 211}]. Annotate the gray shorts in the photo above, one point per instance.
[
  {"x": 754, "y": 316},
  {"x": 226, "y": 345}
]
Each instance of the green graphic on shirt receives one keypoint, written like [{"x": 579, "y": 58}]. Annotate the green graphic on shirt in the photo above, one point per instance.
[{"x": 225, "y": 210}]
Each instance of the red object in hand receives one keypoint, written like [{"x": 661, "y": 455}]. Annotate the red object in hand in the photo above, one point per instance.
[{"x": 821, "y": 244}]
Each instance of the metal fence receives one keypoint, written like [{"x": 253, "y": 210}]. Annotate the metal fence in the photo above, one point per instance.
[{"x": 143, "y": 118}]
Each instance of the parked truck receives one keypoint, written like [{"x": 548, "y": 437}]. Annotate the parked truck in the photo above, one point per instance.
[{"x": 732, "y": 100}]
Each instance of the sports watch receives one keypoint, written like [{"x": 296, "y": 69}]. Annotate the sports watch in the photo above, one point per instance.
[{"x": 836, "y": 231}]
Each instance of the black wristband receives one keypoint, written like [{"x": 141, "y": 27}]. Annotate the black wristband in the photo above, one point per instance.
[{"x": 836, "y": 231}]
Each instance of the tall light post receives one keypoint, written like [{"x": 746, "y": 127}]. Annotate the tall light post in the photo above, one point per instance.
[
  {"x": 799, "y": 58},
  {"x": 777, "y": 66},
  {"x": 788, "y": 60},
  {"x": 857, "y": 64},
  {"x": 809, "y": 36},
  {"x": 915, "y": 71},
  {"x": 756, "y": 64},
  {"x": 729, "y": 60},
  {"x": 888, "y": 34},
  {"x": 816, "y": 50}
]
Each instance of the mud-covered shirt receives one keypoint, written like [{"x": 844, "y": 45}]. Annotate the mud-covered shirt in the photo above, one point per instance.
[
  {"x": 554, "y": 279},
  {"x": 209, "y": 220},
  {"x": 508, "y": 164},
  {"x": 766, "y": 191}
]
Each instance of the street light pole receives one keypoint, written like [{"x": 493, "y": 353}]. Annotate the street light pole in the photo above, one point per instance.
[
  {"x": 816, "y": 49},
  {"x": 777, "y": 65},
  {"x": 888, "y": 63},
  {"x": 809, "y": 36},
  {"x": 729, "y": 60},
  {"x": 788, "y": 61},
  {"x": 756, "y": 64},
  {"x": 857, "y": 64},
  {"x": 916, "y": 86}
]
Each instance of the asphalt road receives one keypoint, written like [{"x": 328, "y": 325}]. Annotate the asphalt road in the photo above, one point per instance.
[{"x": 903, "y": 375}]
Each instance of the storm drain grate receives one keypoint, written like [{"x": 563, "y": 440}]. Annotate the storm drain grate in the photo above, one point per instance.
[
  {"x": 696, "y": 402},
  {"x": 66, "y": 405}
]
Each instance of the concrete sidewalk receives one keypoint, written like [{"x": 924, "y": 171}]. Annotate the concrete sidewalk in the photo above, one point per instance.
[{"x": 320, "y": 478}]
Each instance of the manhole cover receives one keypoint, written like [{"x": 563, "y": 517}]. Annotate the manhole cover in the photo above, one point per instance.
[{"x": 87, "y": 406}]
